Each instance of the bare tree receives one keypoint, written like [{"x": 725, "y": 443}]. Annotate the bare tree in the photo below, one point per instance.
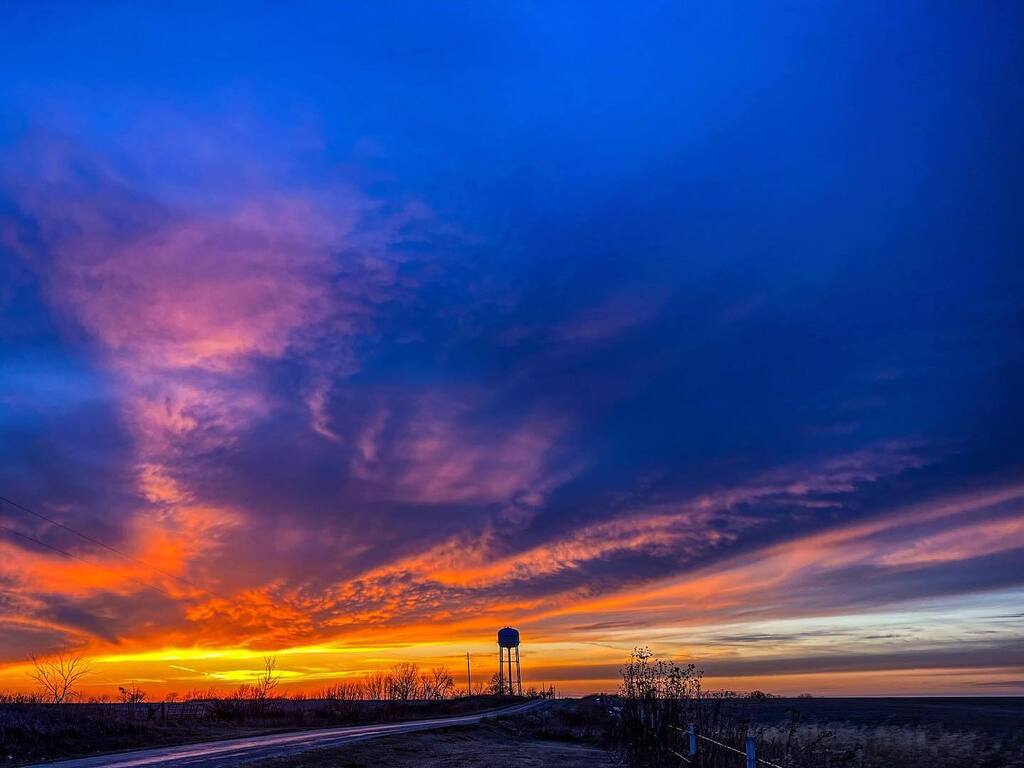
[
  {"x": 444, "y": 682},
  {"x": 343, "y": 690},
  {"x": 438, "y": 684},
  {"x": 131, "y": 693},
  {"x": 403, "y": 682},
  {"x": 496, "y": 686},
  {"x": 267, "y": 681},
  {"x": 375, "y": 686},
  {"x": 58, "y": 675}
]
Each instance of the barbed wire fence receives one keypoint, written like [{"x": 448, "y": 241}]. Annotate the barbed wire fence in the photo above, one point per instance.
[
  {"x": 667, "y": 720},
  {"x": 693, "y": 739}
]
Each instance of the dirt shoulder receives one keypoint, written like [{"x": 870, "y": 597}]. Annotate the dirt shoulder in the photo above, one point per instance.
[{"x": 488, "y": 745}]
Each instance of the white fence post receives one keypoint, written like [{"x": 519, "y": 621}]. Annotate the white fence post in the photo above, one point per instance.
[
  {"x": 751, "y": 757},
  {"x": 693, "y": 739}
]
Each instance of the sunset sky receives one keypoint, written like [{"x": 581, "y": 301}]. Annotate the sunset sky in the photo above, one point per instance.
[{"x": 350, "y": 332}]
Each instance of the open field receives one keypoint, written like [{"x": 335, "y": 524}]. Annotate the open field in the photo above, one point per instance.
[
  {"x": 854, "y": 733},
  {"x": 988, "y": 714},
  {"x": 878, "y": 732}
]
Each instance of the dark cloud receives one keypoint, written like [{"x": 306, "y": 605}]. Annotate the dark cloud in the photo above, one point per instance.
[{"x": 978, "y": 657}]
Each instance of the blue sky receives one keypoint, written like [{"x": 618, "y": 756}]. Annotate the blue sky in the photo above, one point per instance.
[{"x": 363, "y": 310}]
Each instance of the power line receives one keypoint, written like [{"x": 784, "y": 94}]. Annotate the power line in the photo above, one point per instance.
[
  {"x": 59, "y": 524},
  {"x": 73, "y": 556},
  {"x": 103, "y": 544}
]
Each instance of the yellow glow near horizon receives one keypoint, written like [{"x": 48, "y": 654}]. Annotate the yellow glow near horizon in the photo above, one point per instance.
[
  {"x": 196, "y": 654},
  {"x": 579, "y": 644}
]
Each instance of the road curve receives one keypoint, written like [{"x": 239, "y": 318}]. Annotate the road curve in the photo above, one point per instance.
[{"x": 232, "y": 752}]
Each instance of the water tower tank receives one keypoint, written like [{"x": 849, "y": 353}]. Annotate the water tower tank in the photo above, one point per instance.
[{"x": 508, "y": 637}]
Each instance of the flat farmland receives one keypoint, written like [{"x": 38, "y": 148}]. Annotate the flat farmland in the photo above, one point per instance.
[{"x": 950, "y": 713}]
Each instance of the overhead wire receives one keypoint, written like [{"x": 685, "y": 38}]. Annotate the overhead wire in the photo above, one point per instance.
[
  {"x": 104, "y": 545},
  {"x": 80, "y": 559}
]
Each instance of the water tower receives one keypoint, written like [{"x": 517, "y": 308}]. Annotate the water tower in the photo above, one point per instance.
[{"x": 508, "y": 641}]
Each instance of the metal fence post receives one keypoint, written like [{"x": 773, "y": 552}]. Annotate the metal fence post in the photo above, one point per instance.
[
  {"x": 751, "y": 757},
  {"x": 693, "y": 739}
]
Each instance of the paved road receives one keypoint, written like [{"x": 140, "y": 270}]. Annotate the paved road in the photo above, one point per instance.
[{"x": 232, "y": 752}]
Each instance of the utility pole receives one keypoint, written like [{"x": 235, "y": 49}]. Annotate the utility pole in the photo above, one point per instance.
[{"x": 469, "y": 677}]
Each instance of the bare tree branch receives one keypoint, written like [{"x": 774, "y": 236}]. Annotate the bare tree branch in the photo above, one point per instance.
[{"x": 57, "y": 676}]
